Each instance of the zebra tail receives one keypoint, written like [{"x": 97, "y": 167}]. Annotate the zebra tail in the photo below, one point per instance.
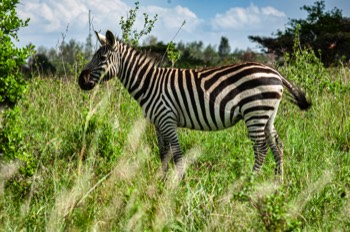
[{"x": 298, "y": 96}]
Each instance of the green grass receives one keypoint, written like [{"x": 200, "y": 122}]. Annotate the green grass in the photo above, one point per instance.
[{"x": 97, "y": 168}]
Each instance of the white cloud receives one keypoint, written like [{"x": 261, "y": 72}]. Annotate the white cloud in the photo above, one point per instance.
[
  {"x": 252, "y": 16},
  {"x": 270, "y": 11},
  {"x": 53, "y": 17},
  {"x": 49, "y": 19},
  {"x": 238, "y": 23},
  {"x": 169, "y": 20}
]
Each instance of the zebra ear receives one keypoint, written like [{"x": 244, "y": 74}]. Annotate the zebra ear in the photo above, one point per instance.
[
  {"x": 110, "y": 38},
  {"x": 101, "y": 38}
]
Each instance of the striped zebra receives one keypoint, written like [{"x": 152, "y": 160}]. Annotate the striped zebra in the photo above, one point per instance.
[{"x": 208, "y": 99}]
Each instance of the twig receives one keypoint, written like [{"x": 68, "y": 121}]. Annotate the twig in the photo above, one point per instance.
[{"x": 183, "y": 23}]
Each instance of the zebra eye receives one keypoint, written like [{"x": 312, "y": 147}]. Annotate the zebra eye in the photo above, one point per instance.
[{"x": 103, "y": 57}]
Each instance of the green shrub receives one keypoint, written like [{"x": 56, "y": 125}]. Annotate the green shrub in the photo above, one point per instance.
[
  {"x": 12, "y": 88},
  {"x": 307, "y": 70},
  {"x": 12, "y": 141},
  {"x": 12, "y": 84},
  {"x": 13, "y": 146},
  {"x": 303, "y": 66}
]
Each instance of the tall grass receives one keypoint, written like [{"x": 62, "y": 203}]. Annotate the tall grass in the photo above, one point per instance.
[{"x": 97, "y": 168}]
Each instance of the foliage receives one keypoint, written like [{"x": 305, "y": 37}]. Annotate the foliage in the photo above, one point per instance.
[
  {"x": 12, "y": 141},
  {"x": 40, "y": 65},
  {"x": 210, "y": 56},
  {"x": 88, "y": 48},
  {"x": 224, "y": 47},
  {"x": 12, "y": 88},
  {"x": 12, "y": 84},
  {"x": 305, "y": 68},
  {"x": 131, "y": 35},
  {"x": 196, "y": 55},
  {"x": 191, "y": 55},
  {"x": 65, "y": 61},
  {"x": 327, "y": 33},
  {"x": 172, "y": 53},
  {"x": 13, "y": 148}
]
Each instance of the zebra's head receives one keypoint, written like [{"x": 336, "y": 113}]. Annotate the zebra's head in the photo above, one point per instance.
[{"x": 104, "y": 65}]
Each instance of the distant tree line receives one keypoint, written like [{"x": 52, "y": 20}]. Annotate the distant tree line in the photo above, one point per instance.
[
  {"x": 64, "y": 60},
  {"x": 69, "y": 57},
  {"x": 197, "y": 55}
]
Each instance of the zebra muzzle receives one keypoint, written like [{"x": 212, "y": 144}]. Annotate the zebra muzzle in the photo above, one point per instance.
[{"x": 84, "y": 80}]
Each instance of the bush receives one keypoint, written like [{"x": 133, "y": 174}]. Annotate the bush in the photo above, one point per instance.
[
  {"x": 12, "y": 84},
  {"x": 13, "y": 146},
  {"x": 307, "y": 70},
  {"x": 39, "y": 64},
  {"x": 303, "y": 66},
  {"x": 12, "y": 88}
]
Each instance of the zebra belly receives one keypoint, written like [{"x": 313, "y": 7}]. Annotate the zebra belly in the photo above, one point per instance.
[{"x": 205, "y": 122}]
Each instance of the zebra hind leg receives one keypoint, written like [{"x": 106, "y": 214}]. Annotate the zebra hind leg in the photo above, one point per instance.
[
  {"x": 276, "y": 147},
  {"x": 260, "y": 149}
]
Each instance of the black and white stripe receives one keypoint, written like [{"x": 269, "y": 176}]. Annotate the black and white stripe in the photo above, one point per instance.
[{"x": 208, "y": 99}]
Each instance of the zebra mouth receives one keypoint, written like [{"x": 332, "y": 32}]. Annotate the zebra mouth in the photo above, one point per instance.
[{"x": 84, "y": 81}]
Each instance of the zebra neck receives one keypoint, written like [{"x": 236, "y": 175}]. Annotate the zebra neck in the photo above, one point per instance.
[{"x": 136, "y": 72}]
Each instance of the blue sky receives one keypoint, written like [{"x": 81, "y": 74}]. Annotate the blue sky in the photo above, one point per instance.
[{"x": 206, "y": 20}]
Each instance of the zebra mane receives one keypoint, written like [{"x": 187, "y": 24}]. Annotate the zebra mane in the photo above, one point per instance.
[
  {"x": 205, "y": 68},
  {"x": 148, "y": 56}
]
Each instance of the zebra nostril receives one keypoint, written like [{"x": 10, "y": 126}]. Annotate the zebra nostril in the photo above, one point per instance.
[{"x": 84, "y": 80}]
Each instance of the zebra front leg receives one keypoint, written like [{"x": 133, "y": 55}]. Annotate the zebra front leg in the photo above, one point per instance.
[
  {"x": 177, "y": 157},
  {"x": 170, "y": 135},
  {"x": 164, "y": 151}
]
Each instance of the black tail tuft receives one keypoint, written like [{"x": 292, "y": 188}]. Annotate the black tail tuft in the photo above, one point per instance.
[
  {"x": 301, "y": 101},
  {"x": 298, "y": 96}
]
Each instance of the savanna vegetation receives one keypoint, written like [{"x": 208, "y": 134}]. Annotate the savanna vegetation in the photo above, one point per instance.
[{"x": 88, "y": 161}]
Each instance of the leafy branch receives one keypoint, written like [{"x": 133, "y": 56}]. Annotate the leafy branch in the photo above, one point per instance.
[{"x": 129, "y": 34}]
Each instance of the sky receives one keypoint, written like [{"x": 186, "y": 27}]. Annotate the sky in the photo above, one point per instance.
[{"x": 52, "y": 21}]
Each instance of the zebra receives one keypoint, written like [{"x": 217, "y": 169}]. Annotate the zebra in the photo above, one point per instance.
[{"x": 209, "y": 99}]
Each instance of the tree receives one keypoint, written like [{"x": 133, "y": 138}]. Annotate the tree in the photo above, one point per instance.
[
  {"x": 64, "y": 61},
  {"x": 39, "y": 64},
  {"x": 150, "y": 41},
  {"x": 191, "y": 55},
  {"x": 88, "y": 51},
  {"x": 12, "y": 83},
  {"x": 196, "y": 49},
  {"x": 327, "y": 33},
  {"x": 224, "y": 48},
  {"x": 70, "y": 51},
  {"x": 211, "y": 57}
]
